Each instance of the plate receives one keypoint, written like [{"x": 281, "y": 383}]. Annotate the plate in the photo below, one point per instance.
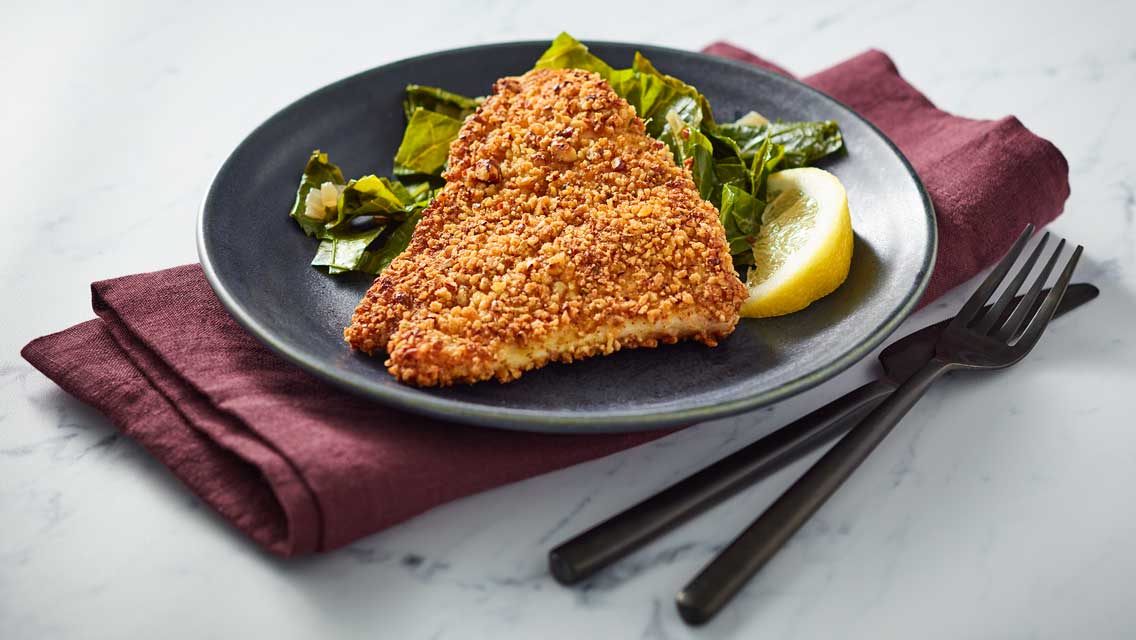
[{"x": 256, "y": 258}]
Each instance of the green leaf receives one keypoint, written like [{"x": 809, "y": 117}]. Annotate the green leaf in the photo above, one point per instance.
[
  {"x": 386, "y": 200},
  {"x": 743, "y": 200},
  {"x": 731, "y": 171},
  {"x": 740, "y": 214},
  {"x": 426, "y": 143},
  {"x": 368, "y": 251},
  {"x": 807, "y": 142},
  {"x": 440, "y": 101},
  {"x": 729, "y": 168},
  {"x": 318, "y": 170},
  {"x": 747, "y": 139},
  {"x": 725, "y": 147},
  {"x": 656, "y": 94},
  {"x": 388, "y": 203},
  {"x": 758, "y": 169},
  {"x": 419, "y": 191},
  {"x": 804, "y": 142},
  {"x": 566, "y": 52},
  {"x": 345, "y": 252},
  {"x": 692, "y": 149},
  {"x": 377, "y": 260}
]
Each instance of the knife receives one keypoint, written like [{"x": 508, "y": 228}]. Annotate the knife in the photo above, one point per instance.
[{"x": 625, "y": 532}]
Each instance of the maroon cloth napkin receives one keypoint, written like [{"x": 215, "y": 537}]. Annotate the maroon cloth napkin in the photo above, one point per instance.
[{"x": 300, "y": 467}]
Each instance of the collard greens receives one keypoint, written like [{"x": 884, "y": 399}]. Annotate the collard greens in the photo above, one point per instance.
[
  {"x": 426, "y": 143},
  {"x": 439, "y": 101},
  {"x": 318, "y": 171},
  {"x": 367, "y": 208},
  {"x": 729, "y": 162}
]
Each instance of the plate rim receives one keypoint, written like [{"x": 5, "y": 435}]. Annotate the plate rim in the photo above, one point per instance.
[{"x": 421, "y": 402}]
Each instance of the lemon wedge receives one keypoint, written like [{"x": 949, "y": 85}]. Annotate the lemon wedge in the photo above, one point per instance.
[{"x": 804, "y": 248}]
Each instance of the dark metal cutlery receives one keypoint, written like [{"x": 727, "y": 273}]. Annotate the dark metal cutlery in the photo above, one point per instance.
[
  {"x": 975, "y": 339},
  {"x": 621, "y": 534}
]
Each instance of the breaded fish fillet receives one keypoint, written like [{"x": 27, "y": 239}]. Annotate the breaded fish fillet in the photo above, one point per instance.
[{"x": 563, "y": 231}]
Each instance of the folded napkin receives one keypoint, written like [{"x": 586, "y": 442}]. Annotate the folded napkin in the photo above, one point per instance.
[{"x": 299, "y": 466}]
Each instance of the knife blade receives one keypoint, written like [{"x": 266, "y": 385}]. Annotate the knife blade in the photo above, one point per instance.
[{"x": 625, "y": 532}]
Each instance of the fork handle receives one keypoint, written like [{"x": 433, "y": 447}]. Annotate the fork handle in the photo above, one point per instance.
[
  {"x": 623, "y": 533},
  {"x": 720, "y": 580}
]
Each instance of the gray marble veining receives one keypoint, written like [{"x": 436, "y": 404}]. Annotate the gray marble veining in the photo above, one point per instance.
[{"x": 996, "y": 510}]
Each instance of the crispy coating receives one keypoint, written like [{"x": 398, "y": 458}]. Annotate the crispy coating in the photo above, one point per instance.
[{"x": 563, "y": 231}]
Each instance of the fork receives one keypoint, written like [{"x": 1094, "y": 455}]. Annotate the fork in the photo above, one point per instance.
[{"x": 974, "y": 340}]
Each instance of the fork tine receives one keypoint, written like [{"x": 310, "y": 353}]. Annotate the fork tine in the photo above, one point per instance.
[
  {"x": 990, "y": 284},
  {"x": 1026, "y": 309},
  {"x": 1048, "y": 308},
  {"x": 994, "y": 314}
]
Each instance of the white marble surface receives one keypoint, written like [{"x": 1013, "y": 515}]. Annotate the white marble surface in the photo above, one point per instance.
[{"x": 1001, "y": 508}]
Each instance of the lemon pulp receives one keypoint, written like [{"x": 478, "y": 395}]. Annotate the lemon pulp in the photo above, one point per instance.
[{"x": 804, "y": 249}]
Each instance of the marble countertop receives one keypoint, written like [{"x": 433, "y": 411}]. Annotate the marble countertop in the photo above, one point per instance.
[{"x": 1001, "y": 507}]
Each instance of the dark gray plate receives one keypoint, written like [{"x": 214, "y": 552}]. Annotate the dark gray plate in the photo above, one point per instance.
[{"x": 256, "y": 258}]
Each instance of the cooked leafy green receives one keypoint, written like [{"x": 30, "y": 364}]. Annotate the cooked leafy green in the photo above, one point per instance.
[
  {"x": 364, "y": 212},
  {"x": 344, "y": 252},
  {"x": 434, "y": 117},
  {"x": 566, "y": 52},
  {"x": 318, "y": 171},
  {"x": 386, "y": 200},
  {"x": 378, "y": 259},
  {"x": 426, "y": 143},
  {"x": 419, "y": 191},
  {"x": 729, "y": 162},
  {"x": 438, "y": 100},
  {"x": 739, "y": 214},
  {"x": 764, "y": 162},
  {"x": 741, "y": 206},
  {"x": 804, "y": 142},
  {"x": 692, "y": 149},
  {"x": 655, "y": 95}
]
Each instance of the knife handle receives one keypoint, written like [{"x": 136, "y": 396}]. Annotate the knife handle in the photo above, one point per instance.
[{"x": 625, "y": 532}]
